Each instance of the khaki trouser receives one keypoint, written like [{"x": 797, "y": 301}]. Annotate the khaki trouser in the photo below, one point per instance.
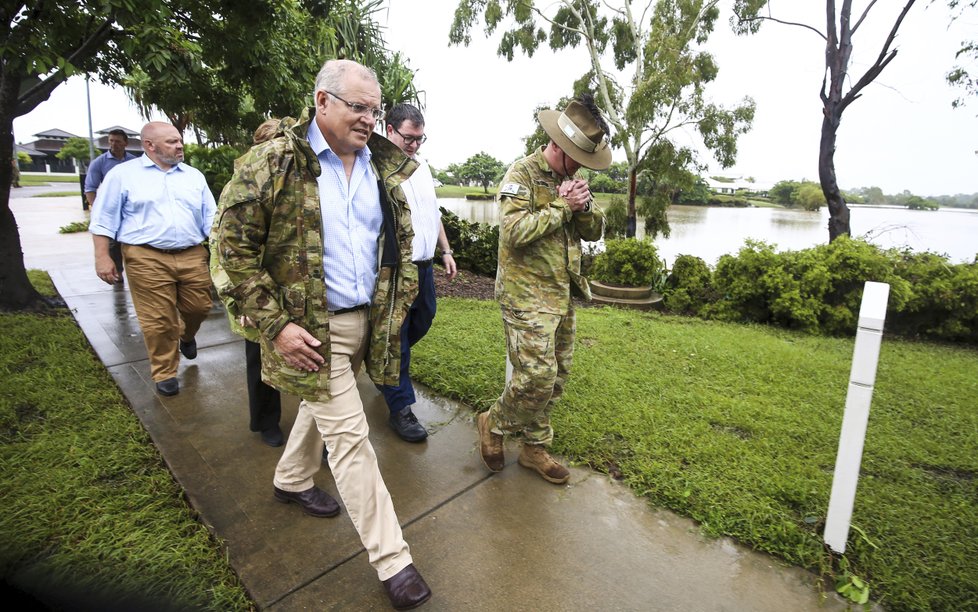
[
  {"x": 172, "y": 296},
  {"x": 540, "y": 346},
  {"x": 342, "y": 425}
]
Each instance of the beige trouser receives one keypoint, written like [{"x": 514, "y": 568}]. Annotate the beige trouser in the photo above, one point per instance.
[
  {"x": 172, "y": 296},
  {"x": 342, "y": 425}
]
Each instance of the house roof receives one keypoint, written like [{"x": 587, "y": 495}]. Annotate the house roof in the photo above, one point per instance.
[
  {"x": 128, "y": 132},
  {"x": 738, "y": 183},
  {"x": 29, "y": 149},
  {"x": 55, "y": 134}
]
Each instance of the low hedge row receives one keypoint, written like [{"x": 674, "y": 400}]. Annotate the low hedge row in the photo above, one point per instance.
[{"x": 819, "y": 290}]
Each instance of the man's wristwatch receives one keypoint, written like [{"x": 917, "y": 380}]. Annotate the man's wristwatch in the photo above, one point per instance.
[{"x": 447, "y": 252}]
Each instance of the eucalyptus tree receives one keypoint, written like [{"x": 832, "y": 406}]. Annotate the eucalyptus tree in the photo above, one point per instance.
[
  {"x": 648, "y": 71},
  {"x": 839, "y": 87}
]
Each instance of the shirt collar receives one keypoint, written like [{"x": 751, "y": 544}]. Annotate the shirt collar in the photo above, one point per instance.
[{"x": 319, "y": 145}]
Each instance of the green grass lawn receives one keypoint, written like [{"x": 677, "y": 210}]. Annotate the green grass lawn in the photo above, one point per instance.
[
  {"x": 90, "y": 512},
  {"x": 57, "y": 194},
  {"x": 737, "y": 427},
  {"x": 455, "y": 191},
  {"x": 44, "y": 179}
]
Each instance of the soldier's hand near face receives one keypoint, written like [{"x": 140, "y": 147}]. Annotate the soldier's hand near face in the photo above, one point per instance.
[
  {"x": 297, "y": 347},
  {"x": 576, "y": 193}
]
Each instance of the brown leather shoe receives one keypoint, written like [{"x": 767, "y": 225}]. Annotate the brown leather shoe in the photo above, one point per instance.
[
  {"x": 490, "y": 445},
  {"x": 536, "y": 457},
  {"x": 314, "y": 501},
  {"x": 407, "y": 589}
]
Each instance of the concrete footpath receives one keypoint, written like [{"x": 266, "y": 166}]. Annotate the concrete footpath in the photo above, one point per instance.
[{"x": 483, "y": 542}]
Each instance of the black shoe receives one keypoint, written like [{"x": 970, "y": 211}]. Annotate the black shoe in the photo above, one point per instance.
[
  {"x": 273, "y": 436},
  {"x": 168, "y": 387},
  {"x": 407, "y": 589},
  {"x": 406, "y": 425},
  {"x": 189, "y": 349},
  {"x": 314, "y": 501}
]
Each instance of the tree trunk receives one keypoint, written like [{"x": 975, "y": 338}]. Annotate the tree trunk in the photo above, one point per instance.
[
  {"x": 631, "y": 223},
  {"x": 16, "y": 291},
  {"x": 838, "y": 211}
]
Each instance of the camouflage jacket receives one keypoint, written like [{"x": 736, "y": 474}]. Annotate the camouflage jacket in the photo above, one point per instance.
[
  {"x": 269, "y": 242},
  {"x": 540, "y": 240}
]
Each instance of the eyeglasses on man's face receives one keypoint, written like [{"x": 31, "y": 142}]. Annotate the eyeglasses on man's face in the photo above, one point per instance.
[
  {"x": 410, "y": 140},
  {"x": 362, "y": 109}
]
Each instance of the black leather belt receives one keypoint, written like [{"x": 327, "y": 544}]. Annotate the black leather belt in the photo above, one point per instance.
[
  {"x": 167, "y": 251},
  {"x": 333, "y": 313},
  {"x": 425, "y": 263}
]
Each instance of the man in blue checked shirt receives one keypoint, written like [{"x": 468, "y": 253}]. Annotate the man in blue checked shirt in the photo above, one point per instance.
[{"x": 97, "y": 170}]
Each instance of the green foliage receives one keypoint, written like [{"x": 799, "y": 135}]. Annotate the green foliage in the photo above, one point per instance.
[
  {"x": 689, "y": 286},
  {"x": 482, "y": 169},
  {"x": 602, "y": 183},
  {"x": 698, "y": 193},
  {"x": 238, "y": 65},
  {"x": 89, "y": 506},
  {"x": 736, "y": 427},
  {"x": 628, "y": 262},
  {"x": 76, "y": 148},
  {"x": 795, "y": 194},
  {"x": 653, "y": 210},
  {"x": 475, "y": 245},
  {"x": 74, "y": 227},
  {"x": 445, "y": 177},
  {"x": 615, "y": 218},
  {"x": 23, "y": 158},
  {"x": 819, "y": 290},
  {"x": 216, "y": 163},
  {"x": 919, "y": 203},
  {"x": 943, "y": 300}
]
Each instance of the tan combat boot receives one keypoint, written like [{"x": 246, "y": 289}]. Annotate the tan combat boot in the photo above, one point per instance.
[
  {"x": 536, "y": 457},
  {"x": 490, "y": 445}
]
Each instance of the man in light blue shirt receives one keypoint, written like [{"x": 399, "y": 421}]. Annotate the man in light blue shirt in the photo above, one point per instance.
[
  {"x": 161, "y": 210},
  {"x": 97, "y": 170}
]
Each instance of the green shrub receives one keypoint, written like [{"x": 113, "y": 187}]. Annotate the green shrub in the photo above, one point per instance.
[
  {"x": 819, "y": 290},
  {"x": 689, "y": 286},
  {"x": 615, "y": 218},
  {"x": 629, "y": 262},
  {"x": 216, "y": 163},
  {"x": 74, "y": 227},
  {"x": 943, "y": 298},
  {"x": 475, "y": 245}
]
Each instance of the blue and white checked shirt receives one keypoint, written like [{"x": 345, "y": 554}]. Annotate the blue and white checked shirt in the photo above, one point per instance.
[
  {"x": 140, "y": 203},
  {"x": 352, "y": 221},
  {"x": 100, "y": 167}
]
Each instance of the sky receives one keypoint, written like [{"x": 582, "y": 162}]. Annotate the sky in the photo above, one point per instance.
[{"x": 902, "y": 134}]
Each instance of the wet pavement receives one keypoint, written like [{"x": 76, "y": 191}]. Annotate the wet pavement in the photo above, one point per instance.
[{"x": 483, "y": 542}]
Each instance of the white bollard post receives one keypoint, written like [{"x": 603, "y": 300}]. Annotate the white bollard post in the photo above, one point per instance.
[{"x": 862, "y": 377}]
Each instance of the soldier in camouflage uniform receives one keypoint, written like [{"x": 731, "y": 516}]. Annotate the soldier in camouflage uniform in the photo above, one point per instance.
[
  {"x": 545, "y": 212},
  {"x": 314, "y": 234}
]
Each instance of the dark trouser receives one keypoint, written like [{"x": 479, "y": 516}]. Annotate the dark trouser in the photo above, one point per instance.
[
  {"x": 416, "y": 325},
  {"x": 115, "y": 252},
  {"x": 264, "y": 402}
]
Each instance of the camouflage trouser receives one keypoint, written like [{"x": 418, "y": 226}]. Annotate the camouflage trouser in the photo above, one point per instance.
[{"x": 540, "y": 347}]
